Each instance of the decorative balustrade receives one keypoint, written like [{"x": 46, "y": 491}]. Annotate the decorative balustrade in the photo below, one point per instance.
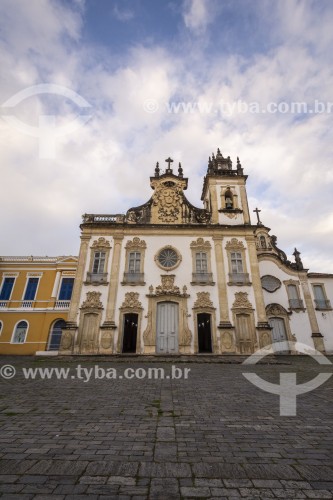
[
  {"x": 202, "y": 277},
  {"x": 239, "y": 279},
  {"x": 103, "y": 218},
  {"x": 62, "y": 304},
  {"x": 296, "y": 304},
  {"x": 29, "y": 259},
  {"x": 27, "y": 304},
  {"x": 323, "y": 304},
  {"x": 133, "y": 278},
  {"x": 96, "y": 278}
]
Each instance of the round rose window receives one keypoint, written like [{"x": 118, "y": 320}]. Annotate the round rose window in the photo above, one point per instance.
[{"x": 168, "y": 258}]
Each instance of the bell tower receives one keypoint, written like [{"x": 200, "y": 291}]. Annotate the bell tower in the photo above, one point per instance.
[{"x": 224, "y": 192}]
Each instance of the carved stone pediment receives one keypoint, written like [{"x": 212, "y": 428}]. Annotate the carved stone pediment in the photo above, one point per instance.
[
  {"x": 136, "y": 243},
  {"x": 276, "y": 310},
  {"x": 241, "y": 301},
  {"x": 234, "y": 244},
  {"x": 200, "y": 244},
  {"x": 131, "y": 301},
  {"x": 168, "y": 204},
  {"x": 168, "y": 287},
  {"x": 101, "y": 243},
  {"x": 203, "y": 301},
  {"x": 92, "y": 301}
]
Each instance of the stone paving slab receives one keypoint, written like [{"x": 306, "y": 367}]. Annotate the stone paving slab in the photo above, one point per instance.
[{"x": 212, "y": 435}]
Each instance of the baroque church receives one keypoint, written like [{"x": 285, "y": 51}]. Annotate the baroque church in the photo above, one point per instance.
[{"x": 170, "y": 278}]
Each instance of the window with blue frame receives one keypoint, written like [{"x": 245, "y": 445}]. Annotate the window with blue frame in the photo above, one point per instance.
[
  {"x": 7, "y": 288},
  {"x": 66, "y": 289},
  {"x": 30, "y": 291}
]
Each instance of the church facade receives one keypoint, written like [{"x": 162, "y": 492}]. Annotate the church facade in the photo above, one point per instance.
[{"x": 170, "y": 278}]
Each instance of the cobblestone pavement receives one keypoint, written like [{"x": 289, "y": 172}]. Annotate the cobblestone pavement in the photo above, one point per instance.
[{"x": 212, "y": 435}]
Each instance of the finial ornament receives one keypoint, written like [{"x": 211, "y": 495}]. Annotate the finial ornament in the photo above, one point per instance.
[
  {"x": 239, "y": 167},
  {"x": 299, "y": 263},
  {"x": 169, "y": 169},
  {"x": 259, "y": 223},
  {"x": 180, "y": 170},
  {"x": 157, "y": 170}
]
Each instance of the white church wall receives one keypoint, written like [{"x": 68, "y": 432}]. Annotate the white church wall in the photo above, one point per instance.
[
  {"x": 152, "y": 275},
  {"x": 325, "y": 318},
  {"x": 299, "y": 321},
  {"x": 103, "y": 289}
]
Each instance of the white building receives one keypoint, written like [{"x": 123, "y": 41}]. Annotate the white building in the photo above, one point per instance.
[{"x": 167, "y": 277}]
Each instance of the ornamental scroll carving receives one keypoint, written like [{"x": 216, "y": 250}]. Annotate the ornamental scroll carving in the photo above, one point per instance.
[
  {"x": 186, "y": 335},
  {"x": 66, "y": 340},
  {"x": 200, "y": 244},
  {"x": 203, "y": 301},
  {"x": 131, "y": 301},
  {"x": 92, "y": 301},
  {"x": 234, "y": 244},
  {"x": 101, "y": 243},
  {"x": 242, "y": 301},
  {"x": 148, "y": 334},
  {"x": 136, "y": 243},
  {"x": 168, "y": 287},
  {"x": 106, "y": 340},
  {"x": 231, "y": 216}
]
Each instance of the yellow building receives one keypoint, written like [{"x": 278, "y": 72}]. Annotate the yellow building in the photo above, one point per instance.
[{"x": 35, "y": 294}]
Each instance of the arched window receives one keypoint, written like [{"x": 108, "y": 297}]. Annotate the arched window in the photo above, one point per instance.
[
  {"x": 229, "y": 203},
  {"x": 55, "y": 335},
  {"x": 20, "y": 333}
]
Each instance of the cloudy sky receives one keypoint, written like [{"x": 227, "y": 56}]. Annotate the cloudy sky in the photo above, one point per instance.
[{"x": 109, "y": 87}]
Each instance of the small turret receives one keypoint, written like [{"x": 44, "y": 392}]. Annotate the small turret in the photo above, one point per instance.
[{"x": 157, "y": 170}]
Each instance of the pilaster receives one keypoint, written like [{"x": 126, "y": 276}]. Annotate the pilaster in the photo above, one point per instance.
[
  {"x": 114, "y": 280},
  {"x": 221, "y": 284},
  {"x": 79, "y": 278},
  {"x": 244, "y": 203},
  {"x": 318, "y": 340},
  {"x": 256, "y": 282},
  {"x": 214, "y": 205}
]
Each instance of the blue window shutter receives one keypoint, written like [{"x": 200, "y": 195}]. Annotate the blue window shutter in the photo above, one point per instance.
[
  {"x": 66, "y": 289},
  {"x": 31, "y": 289},
  {"x": 7, "y": 288}
]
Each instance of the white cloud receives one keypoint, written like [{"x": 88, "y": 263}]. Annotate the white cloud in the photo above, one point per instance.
[
  {"x": 122, "y": 14},
  {"x": 105, "y": 166},
  {"x": 196, "y": 15}
]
